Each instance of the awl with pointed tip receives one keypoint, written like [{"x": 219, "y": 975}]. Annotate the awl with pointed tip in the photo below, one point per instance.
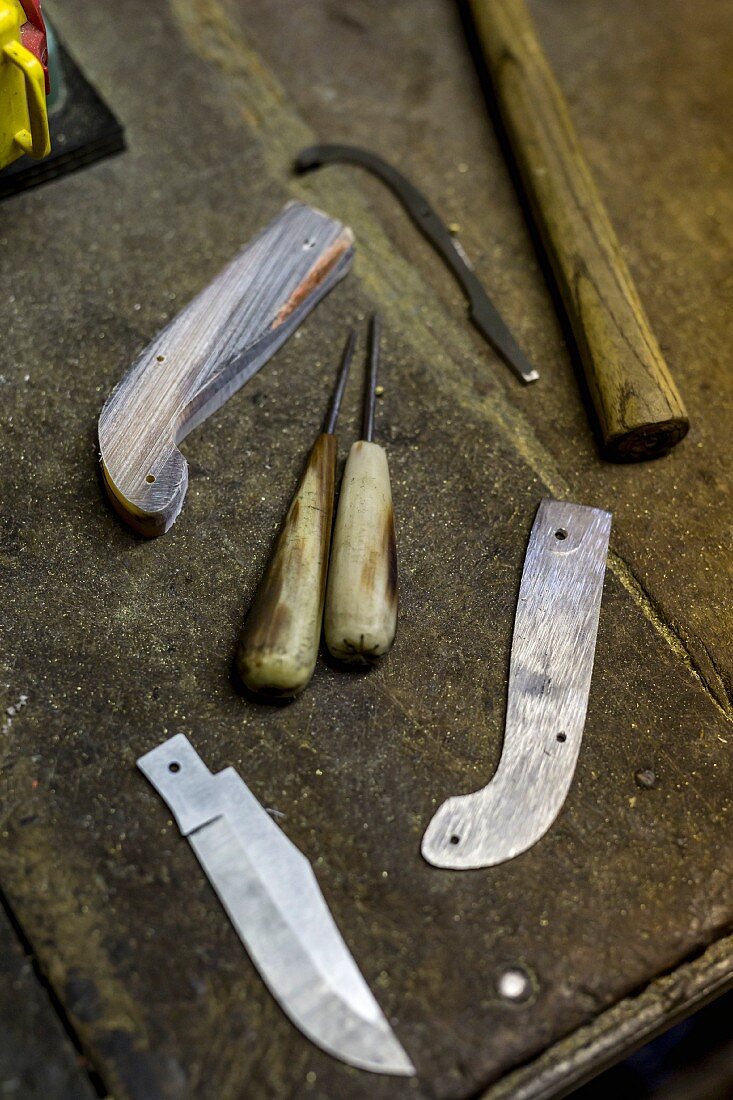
[
  {"x": 361, "y": 599},
  {"x": 278, "y": 646},
  {"x": 482, "y": 310},
  {"x": 273, "y": 899}
]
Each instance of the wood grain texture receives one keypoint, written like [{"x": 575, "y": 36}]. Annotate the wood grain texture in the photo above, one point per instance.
[
  {"x": 640, "y": 412},
  {"x": 278, "y": 646},
  {"x": 216, "y": 344},
  {"x": 361, "y": 600}
]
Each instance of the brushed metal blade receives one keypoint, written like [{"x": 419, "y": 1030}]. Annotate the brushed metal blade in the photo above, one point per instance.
[
  {"x": 553, "y": 648},
  {"x": 273, "y": 899}
]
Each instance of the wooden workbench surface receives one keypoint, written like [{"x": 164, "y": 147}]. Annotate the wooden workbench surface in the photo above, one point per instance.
[{"x": 114, "y": 642}]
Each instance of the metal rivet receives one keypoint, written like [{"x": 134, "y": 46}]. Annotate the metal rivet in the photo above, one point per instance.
[{"x": 514, "y": 984}]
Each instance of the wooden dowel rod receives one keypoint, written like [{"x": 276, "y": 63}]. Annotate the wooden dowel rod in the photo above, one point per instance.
[{"x": 640, "y": 412}]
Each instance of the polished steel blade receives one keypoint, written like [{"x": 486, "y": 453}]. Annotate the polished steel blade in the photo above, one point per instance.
[
  {"x": 553, "y": 648},
  {"x": 273, "y": 899}
]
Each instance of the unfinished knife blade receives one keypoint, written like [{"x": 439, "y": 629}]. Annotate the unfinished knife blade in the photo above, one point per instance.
[
  {"x": 215, "y": 345},
  {"x": 273, "y": 899},
  {"x": 482, "y": 310},
  {"x": 552, "y": 655}
]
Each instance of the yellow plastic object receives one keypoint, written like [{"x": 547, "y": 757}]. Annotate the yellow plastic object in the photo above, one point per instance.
[{"x": 23, "y": 115}]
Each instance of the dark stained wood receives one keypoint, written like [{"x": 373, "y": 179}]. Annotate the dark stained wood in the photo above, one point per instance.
[
  {"x": 118, "y": 642},
  {"x": 37, "y": 1059}
]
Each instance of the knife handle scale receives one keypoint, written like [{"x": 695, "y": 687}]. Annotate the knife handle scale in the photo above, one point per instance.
[{"x": 218, "y": 342}]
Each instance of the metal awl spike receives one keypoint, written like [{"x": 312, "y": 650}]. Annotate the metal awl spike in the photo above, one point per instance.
[
  {"x": 370, "y": 394},
  {"x": 329, "y": 424}
]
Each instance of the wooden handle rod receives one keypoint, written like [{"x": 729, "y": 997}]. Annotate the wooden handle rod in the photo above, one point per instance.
[
  {"x": 361, "y": 600},
  {"x": 640, "y": 412}
]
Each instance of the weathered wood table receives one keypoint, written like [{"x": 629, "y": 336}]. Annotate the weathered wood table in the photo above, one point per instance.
[{"x": 111, "y": 643}]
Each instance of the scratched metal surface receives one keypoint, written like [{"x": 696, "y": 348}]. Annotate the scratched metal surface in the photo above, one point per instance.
[
  {"x": 272, "y": 897},
  {"x": 114, "y": 643},
  {"x": 553, "y": 648}
]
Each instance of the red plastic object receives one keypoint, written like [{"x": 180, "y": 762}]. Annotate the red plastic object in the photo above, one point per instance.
[{"x": 33, "y": 34}]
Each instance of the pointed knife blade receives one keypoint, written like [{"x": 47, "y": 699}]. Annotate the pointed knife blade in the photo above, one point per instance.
[
  {"x": 550, "y": 672},
  {"x": 273, "y": 899}
]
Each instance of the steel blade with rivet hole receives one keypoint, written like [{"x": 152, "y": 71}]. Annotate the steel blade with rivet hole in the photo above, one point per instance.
[
  {"x": 273, "y": 899},
  {"x": 553, "y": 648}
]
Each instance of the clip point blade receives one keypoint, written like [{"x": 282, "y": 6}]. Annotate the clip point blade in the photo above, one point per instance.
[
  {"x": 365, "y": 1044},
  {"x": 274, "y": 900},
  {"x": 271, "y": 894}
]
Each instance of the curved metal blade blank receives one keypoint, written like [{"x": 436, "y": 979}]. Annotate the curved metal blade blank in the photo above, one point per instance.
[
  {"x": 553, "y": 647},
  {"x": 273, "y": 899},
  {"x": 482, "y": 310}
]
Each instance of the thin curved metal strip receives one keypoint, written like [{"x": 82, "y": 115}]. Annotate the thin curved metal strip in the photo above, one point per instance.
[
  {"x": 482, "y": 310},
  {"x": 553, "y": 648}
]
